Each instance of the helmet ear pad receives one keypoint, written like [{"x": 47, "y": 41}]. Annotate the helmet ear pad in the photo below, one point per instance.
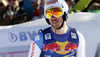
[
  {"x": 65, "y": 17},
  {"x": 47, "y": 20}
]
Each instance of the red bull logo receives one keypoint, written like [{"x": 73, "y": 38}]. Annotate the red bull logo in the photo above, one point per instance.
[
  {"x": 52, "y": 2},
  {"x": 60, "y": 47},
  {"x": 52, "y": 47},
  {"x": 70, "y": 47}
]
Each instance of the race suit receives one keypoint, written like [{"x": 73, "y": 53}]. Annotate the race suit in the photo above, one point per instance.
[{"x": 49, "y": 44}]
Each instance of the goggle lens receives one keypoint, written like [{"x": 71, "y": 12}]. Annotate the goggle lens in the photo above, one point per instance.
[{"x": 54, "y": 11}]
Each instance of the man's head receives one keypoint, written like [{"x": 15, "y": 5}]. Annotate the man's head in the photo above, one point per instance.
[
  {"x": 14, "y": 3},
  {"x": 55, "y": 12},
  {"x": 35, "y": 4}
]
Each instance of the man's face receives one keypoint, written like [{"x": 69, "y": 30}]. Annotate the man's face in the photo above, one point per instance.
[
  {"x": 35, "y": 5},
  {"x": 56, "y": 21},
  {"x": 13, "y": 2}
]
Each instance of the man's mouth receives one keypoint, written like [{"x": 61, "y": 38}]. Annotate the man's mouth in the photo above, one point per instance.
[{"x": 54, "y": 21}]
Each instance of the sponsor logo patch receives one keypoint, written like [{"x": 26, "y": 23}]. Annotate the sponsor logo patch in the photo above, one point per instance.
[{"x": 47, "y": 36}]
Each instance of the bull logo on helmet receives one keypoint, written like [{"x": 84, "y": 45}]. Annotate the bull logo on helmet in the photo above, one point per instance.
[{"x": 51, "y": 2}]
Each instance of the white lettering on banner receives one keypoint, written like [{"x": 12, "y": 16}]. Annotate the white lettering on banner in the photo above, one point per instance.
[{"x": 22, "y": 36}]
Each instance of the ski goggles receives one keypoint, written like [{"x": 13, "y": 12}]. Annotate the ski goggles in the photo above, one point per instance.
[{"x": 57, "y": 12}]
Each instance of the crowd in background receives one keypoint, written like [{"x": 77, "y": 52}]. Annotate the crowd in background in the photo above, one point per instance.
[
  {"x": 94, "y": 6},
  {"x": 20, "y": 11}
]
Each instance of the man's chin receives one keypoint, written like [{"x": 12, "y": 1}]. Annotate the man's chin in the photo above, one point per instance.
[{"x": 55, "y": 27}]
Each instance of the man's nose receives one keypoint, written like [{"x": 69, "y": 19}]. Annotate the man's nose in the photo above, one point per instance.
[{"x": 53, "y": 17}]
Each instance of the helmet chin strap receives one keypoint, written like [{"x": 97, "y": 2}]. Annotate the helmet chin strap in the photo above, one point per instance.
[{"x": 61, "y": 25}]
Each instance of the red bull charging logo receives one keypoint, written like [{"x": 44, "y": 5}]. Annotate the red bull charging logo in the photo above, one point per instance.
[
  {"x": 51, "y": 2},
  {"x": 60, "y": 47}
]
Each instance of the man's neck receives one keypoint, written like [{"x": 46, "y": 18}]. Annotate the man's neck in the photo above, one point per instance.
[{"x": 61, "y": 30}]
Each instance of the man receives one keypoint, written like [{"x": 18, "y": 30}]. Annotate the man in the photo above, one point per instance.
[
  {"x": 59, "y": 40},
  {"x": 13, "y": 14},
  {"x": 37, "y": 9}
]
